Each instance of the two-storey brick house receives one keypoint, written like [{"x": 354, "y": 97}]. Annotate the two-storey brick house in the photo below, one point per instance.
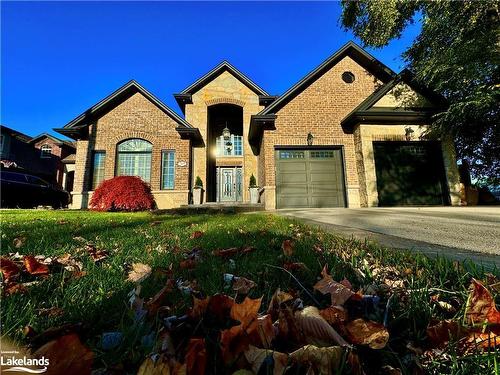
[{"x": 349, "y": 134}]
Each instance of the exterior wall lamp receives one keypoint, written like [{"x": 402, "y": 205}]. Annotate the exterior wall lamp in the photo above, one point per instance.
[{"x": 310, "y": 139}]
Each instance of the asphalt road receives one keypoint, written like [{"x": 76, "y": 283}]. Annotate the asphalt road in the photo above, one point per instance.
[{"x": 456, "y": 232}]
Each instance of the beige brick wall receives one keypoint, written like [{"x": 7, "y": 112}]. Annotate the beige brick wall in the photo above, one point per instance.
[
  {"x": 224, "y": 89},
  {"x": 319, "y": 109},
  {"x": 136, "y": 117}
]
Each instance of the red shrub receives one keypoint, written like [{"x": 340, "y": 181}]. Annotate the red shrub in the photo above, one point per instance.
[{"x": 123, "y": 193}]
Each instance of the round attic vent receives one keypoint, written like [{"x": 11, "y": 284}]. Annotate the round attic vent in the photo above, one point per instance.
[{"x": 348, "y": 77}]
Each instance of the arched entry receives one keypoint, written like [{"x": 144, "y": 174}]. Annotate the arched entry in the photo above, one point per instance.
[{"x": 224, "y": 153}]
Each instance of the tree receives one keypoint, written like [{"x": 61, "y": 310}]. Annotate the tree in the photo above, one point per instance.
[{"x": 457, "y": 54}]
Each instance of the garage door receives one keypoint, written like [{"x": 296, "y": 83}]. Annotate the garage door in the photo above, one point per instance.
[
  {"x": 410, "y": 173},
  {"x": 309, "y": 178}
]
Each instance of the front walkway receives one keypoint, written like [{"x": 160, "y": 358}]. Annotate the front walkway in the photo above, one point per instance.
[{"x": 455, "y": 232}]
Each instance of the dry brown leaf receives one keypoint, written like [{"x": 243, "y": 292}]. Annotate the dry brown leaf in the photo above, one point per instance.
[
  {"x": 18, "y": 241},
  {"x": 261, "y": 331},
  {"x": 96, "y": 254},
  {"x": 9, "y": 269},
  {"x": 483, "y": 340},
  {"x": 295, "y": 266},
  {"x": 256, "y": 357},
  {"x": 196, "y": 234},
  {"x": 67, "y": 355},
  {"x": 150, "y": 367},
  {"x": 367, "y": 332},
  {"x": 334, "y": 315},
  {"x": 218, "y": 310},
  {"x": 338, "y": 292},
  {"x": 277, "y": 299},
  {"x": 243, "y": 285},
  {"x": 481, "y": 307},
  {"x": 158, "y": 300},
  {"x": 34, "y": 267},
  {"x": 324, "y": 361},
  {"x": 187, "y": 264},
  {"x": 196, "y": 357},
  {"x": 51, "y": 312},
  {"x": 287, "y": 247},
  {"x": 316, "y": 329},
  {"x": 225, "y": 253},
  {"x": 442, "y": 332},
  {"x": 14, "y": 288},
  {"x": 199, "y": 307},
  {"x": 139, "y": 272}
]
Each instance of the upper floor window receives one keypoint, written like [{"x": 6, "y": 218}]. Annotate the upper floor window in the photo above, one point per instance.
[
  {"x": 45, "y": 151},
  {"x": 233, "y": 146},
  {"x": 134, "y": 159}
]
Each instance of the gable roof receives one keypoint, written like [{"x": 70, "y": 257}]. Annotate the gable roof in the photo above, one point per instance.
[
  {"x": 55, "y": 139},
  {"x": 14, "y": 133},
  {"x": 184, "y": 97},
  {"x": 365, "y": 111},
  {"x": 350, "y": 49},
  {"x": 76, "y": 127}
]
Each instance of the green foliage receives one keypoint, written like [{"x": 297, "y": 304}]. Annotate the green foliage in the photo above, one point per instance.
[
  {"x": 198, "y": 183},
  {"x": 253, "y": 181},
  {"x": 456, "y": 53}
]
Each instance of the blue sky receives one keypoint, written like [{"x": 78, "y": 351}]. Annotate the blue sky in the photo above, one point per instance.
[{"x": 60, "y": 58}]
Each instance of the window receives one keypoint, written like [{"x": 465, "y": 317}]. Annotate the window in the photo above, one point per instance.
[
  {"x": 291, "y": 154},
  {"x": 321, "y": 154},
  {"x": 134, "y": 159},
  {"x": 98, "y": 168},
  {"x": 348, "y": 77},
  {"x": 1, "y": 142},
  {"x": 46, "y": 151},
  {"x": 167, "y": 169}
]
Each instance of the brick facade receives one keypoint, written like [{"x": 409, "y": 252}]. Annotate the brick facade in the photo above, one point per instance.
[
  {"x": 318, "y": 108},
  {"x": 136, "y": 117}
]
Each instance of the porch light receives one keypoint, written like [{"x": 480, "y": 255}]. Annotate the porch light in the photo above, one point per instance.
[
  {"x": 310, "y": 139},
  {"x": 226, "y": 133}
]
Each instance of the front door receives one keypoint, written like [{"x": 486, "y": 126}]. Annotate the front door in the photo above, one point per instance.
[{"x": 229, "y": 187}]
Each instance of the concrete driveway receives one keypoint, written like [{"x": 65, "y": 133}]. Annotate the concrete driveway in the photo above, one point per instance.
[{"x": 456, "y": 232}]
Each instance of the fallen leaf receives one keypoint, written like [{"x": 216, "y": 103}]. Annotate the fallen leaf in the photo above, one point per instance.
[
  {"x": 338, "y": 292},
  {"x": 196, "y": 234},
  {"x": 256, "y": 358},
  {"x": 187, "y": 264},
  {"x": 334, "y": 315},
  {"x": 196, "y": 357},
  {"x": 139, "y": 272},
  {"x": 67, "y": 355},
  {"x": 51, "y": 312},
  {"x": 153, "y": 305},
  {"x": 199, "y": 307},
  {"x": 218, "y": 311},
  {"x": 367, "y": 332},
  {"x": 277, "y": 299},
  {"x": 287, "y": 247},
  {"x": 19, "y": 241},
  {"x": 34, "y": 267},
  {"x": 323, "y": 361},
  {"x": 261, "y": 331},
  {"x": 481, "y": 307},
  {"x": 484, "y": 340},
  {"x": 225, "y": 253},
  {"x": 242, "y": 285},
  {"x": 295, "y": 266},
  {"x": 150, "y": 367},
  {"x": 389, "y": 370},
  {"x": 9, "y": 269},
  {"x": 96, "y": 254},
  {"x": 14, "y": 288},
  {"x": 316, "y": 329},
  {"x": 442, "y": 332}
]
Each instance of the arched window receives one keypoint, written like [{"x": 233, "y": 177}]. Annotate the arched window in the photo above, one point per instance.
[
  {"x": 134, "y": 159},
  {"x": 45, "y": 151}
]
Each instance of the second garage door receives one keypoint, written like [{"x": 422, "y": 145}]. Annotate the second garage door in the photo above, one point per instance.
[{"x": 309, "y": 178}]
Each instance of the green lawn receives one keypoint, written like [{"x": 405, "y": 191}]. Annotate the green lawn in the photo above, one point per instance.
[{"x": 99, "y": 299}]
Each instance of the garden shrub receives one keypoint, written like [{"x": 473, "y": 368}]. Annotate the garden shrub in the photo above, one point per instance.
[{"x": 123, "y": 193}]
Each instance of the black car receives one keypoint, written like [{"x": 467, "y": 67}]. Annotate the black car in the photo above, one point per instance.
[{"x": 27, "y": 191}]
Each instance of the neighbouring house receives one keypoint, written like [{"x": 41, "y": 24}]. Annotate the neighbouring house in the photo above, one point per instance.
[
  {"x": 45, "y": 156},
  {"x": 351, "y": 133}
]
